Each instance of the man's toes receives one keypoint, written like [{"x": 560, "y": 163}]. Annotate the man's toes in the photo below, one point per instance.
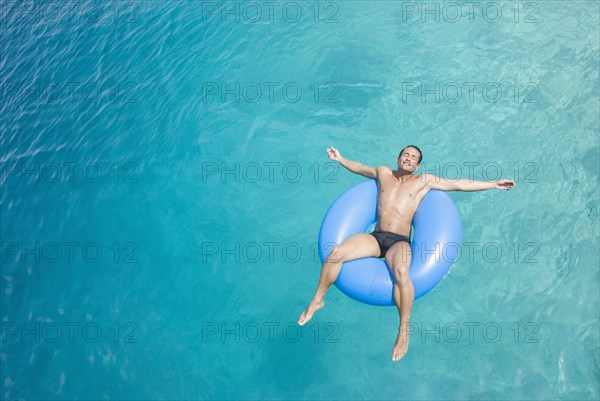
[
  {"x": 402, "y": 353},
  {"x": 301, "y": 320},
  {"x": 305, "y": 317}
]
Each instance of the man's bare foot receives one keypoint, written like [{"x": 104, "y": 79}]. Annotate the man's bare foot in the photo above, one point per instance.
[
  {"x": 401, "y": 346},
  {"x": 310, "y": 311}
]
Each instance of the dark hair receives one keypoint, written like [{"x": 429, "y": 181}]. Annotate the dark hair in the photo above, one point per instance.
[{"x": 413, "y": 146}]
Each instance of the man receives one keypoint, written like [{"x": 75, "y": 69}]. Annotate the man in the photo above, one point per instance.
[{"x": 399, "y": 195}]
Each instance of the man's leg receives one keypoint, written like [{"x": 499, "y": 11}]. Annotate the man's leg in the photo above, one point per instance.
[
  {"x": 398, "y": 260},
  {"x": 355, "y": 247}
]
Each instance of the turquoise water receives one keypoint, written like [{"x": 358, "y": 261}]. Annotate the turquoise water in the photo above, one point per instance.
[{"x": 158, "y": 224}]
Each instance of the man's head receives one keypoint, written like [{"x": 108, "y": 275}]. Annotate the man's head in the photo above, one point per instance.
[{"x": 410, "y": 158}]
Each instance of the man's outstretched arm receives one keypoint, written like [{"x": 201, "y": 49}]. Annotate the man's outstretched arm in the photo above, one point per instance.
[
  {"x": 355, "y": 167},
  {"x": 466, "y": 185}
]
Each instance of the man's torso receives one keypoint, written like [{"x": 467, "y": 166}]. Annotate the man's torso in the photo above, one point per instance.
[{"x": 397, "y": 201}]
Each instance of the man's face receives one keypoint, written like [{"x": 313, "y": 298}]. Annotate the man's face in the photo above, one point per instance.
[{"x": 409, "y": 160}]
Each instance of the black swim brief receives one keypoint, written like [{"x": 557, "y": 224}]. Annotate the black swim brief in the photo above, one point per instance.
[{"x": 386, "y": 239}]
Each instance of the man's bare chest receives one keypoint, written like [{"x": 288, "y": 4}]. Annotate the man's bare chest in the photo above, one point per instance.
[{"x": 394, "y": 190}]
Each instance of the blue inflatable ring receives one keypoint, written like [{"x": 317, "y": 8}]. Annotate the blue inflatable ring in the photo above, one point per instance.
[{"x": 435, "y": 242}]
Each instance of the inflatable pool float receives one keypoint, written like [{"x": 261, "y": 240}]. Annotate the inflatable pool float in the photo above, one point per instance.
[{"x": 435, "y": 243}]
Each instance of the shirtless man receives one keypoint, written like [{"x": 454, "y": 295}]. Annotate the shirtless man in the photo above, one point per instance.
[{"x": 399, "y": 195}]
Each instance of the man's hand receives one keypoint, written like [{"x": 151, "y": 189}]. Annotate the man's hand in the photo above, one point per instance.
[
  {"x": 334, "y": 154},
  {"x": 505, "y": 184}
]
